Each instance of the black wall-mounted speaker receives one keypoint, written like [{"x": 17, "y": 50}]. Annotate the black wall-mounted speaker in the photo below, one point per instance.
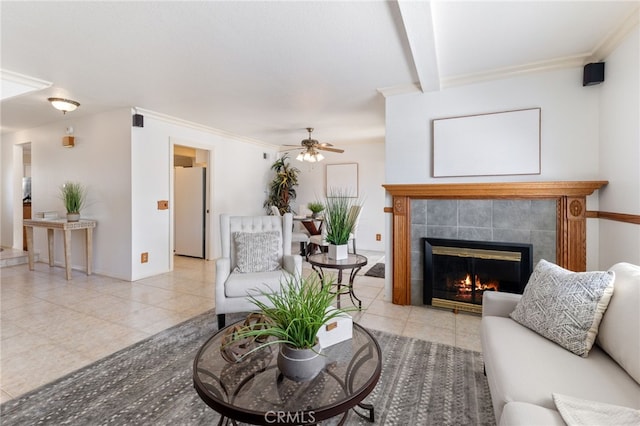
[
  {"x": 138, "y": 120},
  {"x": 593, "y": 74}
]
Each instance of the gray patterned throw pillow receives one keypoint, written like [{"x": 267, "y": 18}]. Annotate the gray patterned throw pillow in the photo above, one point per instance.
[
  {"x": 564, "y": 306},
  {"x": 257, "y": 251}
]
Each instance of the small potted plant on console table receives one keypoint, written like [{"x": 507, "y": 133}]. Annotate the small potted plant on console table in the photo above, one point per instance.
[{"x": 73, "y": 195}]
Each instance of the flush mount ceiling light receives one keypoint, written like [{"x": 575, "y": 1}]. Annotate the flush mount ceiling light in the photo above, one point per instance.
[{"x": 64, "y": 105}]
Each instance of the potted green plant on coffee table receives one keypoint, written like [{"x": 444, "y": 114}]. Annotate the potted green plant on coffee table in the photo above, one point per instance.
[
  {"x": 73, "y": 196},
  {"x": 292, "y": 319}
]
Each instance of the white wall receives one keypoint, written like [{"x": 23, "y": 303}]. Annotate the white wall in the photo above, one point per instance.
[
  {"x": 588, "y": 133},
  {"x": 569, "y": 120},
  {"x": 100, "y": 160},
  {"x": 238, "y": 175},
  {"x": 620, "y": 152},
  {"x": 127, "y": 170},
  {"x": 370, "y": 160},
  {"x": 569, "y": 133}
]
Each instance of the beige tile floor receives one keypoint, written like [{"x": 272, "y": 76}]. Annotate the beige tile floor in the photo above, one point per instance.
[{"x": 51, "y": 326}]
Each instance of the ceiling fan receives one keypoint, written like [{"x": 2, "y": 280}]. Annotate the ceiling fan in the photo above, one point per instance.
[{"x": 311, "y": 147}]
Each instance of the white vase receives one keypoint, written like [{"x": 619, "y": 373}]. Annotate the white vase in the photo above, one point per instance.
[
  {"x": 338, "y": 252},
  {"x": 300, "y": 364}
]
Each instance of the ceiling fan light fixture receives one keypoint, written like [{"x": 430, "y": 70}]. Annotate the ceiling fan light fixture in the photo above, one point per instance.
[
  {"x": 64, "y": 105},
  {"x": 310, "y": 155},
  {"x": 310, "y": 149}
]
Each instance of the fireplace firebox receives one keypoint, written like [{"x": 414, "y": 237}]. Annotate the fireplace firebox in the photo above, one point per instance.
[{"x": 458, "y": 272}]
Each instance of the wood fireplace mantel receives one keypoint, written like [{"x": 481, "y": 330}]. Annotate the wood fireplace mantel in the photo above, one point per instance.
[{"x": 571, "y": 217}]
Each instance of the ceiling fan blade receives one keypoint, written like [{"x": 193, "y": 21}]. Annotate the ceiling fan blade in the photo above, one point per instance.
[
  {"x": 326, "y": 148},
  {"x": 326, "y": 144}
]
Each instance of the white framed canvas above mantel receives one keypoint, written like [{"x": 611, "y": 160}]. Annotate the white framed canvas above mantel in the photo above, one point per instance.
[
  {"x": 342, "y": 179},
  {"x": 491, "y": 144}
]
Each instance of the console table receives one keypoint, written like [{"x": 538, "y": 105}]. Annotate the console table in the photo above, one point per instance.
[{"x": 66, "y": 228}]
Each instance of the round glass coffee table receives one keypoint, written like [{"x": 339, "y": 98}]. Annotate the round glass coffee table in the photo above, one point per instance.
[
  {"x": 254, "y": 391},
  {"x": 355, "y": 262}
]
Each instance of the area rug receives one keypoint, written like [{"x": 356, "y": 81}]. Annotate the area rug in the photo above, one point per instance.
[
  {"x": 376, "y": 270},
  {"x": 150, "y": 383}
]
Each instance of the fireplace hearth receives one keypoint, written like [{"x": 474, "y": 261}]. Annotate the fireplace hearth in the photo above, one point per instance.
[{"x": 458, "y": 272}]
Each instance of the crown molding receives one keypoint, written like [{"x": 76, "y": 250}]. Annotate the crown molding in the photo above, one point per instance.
[
  {"x": 518, "y": 70},
  {"x": 195, "y": 126},
  {"x": 615, "y": 37},
  {"x": 599, "y": 53},
  {"x": 15, "y": 84},
  {"x": 400, "y": 89},
  {"x": 25, "y": 80}
]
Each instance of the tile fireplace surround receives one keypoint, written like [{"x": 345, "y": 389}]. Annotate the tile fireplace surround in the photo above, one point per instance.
[
  {"x": 570, "y": 196},
  {"x": 492, "y": 221}
]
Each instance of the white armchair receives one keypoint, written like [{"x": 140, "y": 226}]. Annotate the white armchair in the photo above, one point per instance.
[{"x": 256, "y": 258}]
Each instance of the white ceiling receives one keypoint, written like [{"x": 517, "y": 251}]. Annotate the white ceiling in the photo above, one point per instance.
[{"x": 266, "y": 70}]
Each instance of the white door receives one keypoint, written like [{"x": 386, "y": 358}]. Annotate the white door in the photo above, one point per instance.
[{"x": 189, "y": 211}]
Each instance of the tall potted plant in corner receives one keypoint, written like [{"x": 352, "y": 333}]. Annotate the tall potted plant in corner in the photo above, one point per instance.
[
  {"x": 282, "y": 189},
  {"x": 293, "y": 318},
  {"x": 73, "y": 196},
  {"x": 340, "y": 216}
]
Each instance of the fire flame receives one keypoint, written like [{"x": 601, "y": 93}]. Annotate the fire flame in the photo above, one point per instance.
[{"x": 464, "y": 287}]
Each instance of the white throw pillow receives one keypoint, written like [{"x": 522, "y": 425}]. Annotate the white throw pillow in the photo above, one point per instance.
[
  {"x": 257, "y": 251},
  {"x": 564, "y": 306}
]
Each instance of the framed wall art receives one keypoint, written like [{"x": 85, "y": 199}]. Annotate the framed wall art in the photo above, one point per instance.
[{"x": 501, "y": 143}]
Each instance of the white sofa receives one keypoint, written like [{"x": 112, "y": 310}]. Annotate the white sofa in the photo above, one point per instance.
[{"x": 524, "y": 369}]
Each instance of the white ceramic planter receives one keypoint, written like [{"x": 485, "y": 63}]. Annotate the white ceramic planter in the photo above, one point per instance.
[
  {"x": 338, "y": 252},
  {"x": 73, "y": 217}
]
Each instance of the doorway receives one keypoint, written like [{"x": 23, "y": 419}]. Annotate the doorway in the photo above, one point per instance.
[
  {"x": 190, "y": 201},
  {"x": 21, "y": 197},
  {"x": 26, "y": 189}
]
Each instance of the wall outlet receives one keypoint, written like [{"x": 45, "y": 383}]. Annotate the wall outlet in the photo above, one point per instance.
[
  {"x": 378, "y": 237},
  {"x": 144, "y": 257}
]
